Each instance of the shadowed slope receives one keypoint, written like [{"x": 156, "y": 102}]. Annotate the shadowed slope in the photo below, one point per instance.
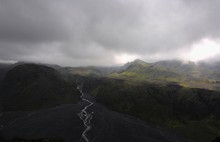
[{"x": 31, "y": 87}]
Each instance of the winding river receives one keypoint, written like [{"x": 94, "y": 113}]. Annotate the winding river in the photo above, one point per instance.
[{"x": 84, "y": 115}]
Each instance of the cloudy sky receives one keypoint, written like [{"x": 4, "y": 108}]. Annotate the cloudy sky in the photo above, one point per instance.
[{"x": 108, "y": 32}]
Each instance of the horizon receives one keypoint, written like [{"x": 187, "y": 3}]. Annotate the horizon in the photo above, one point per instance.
[{"x": 116, "y": 65}]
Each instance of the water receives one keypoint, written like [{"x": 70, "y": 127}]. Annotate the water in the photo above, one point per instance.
[{"x": 84, "y": 115}]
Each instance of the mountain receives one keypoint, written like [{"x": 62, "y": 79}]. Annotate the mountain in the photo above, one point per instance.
[
  {"x": 136, "y": 65},
  {"x": 187, "y": 69},
  {"x": 140, "y": 70},
  {"x": 188, "y": 74},
  {"x": 165, "y": 101},
  {"x": 32, "y": 87}
]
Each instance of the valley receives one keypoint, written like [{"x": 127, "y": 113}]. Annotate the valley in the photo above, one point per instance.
[{"x": 136, "y": 102}]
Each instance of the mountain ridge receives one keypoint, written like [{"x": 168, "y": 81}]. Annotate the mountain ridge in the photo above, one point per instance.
[{"x": 188, "y": 74}]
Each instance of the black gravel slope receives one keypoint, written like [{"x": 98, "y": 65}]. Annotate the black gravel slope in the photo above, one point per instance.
[{"x": 62, "y": 121}]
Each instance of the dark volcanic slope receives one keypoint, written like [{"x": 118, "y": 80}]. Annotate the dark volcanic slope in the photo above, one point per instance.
[
  {"x": 3, "y": 70},
  {"x": 59, "y": 122},
  {"x": 110, "y": 126},
  {"x": 32, "y": 87},
  {"x": 62, "y": 121}
]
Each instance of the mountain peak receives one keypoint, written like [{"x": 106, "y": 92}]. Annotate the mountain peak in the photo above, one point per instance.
[{"x": 138, "y": 61}]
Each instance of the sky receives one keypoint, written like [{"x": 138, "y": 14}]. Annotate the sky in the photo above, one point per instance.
[{"x": 108, "y": 32}]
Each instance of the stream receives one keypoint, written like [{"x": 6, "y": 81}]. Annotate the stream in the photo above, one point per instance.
[{"x": 84, "y": 115}]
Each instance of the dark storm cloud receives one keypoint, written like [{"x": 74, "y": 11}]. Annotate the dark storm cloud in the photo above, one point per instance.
[{"x": 82, "y": 32}]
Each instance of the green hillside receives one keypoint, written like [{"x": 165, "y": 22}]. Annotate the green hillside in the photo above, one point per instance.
[
  {"x": 185, "y": 74},
  {"x": 192, "y": 112},
  {"x": 142, "y": 71}
]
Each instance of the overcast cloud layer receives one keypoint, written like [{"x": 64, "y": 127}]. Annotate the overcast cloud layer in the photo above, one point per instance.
[{"x": 95, "y": 32}]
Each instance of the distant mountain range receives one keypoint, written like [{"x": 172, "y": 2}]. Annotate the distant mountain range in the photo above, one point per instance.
[
  {"x": 173, "y": 68},
  {"x": 187, "y": 74}
]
